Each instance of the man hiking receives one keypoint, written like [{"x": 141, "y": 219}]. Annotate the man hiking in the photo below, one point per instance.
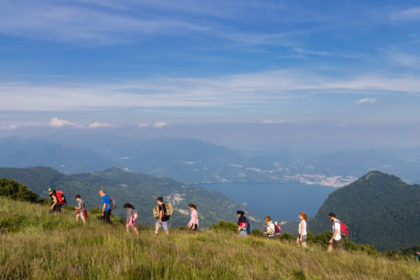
[
  {"x": 57, "y": 198},
  {"x": 163, "y": 218},
  {"x": 80, "y": 209},
  {"x": 106, "y": 207},
  {"x": 336, "y": 242}
]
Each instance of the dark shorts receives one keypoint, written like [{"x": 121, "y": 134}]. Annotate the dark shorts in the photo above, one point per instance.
[
  {"x": 194, "y": 227},
  {"x": 339, "y": 245},
  {"x": 56, "y": 208}
]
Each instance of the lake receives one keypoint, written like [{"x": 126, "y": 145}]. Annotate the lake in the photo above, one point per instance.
[{"x": 281, "y": 201}]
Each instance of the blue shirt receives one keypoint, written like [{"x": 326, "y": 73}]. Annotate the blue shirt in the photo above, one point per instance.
[{"x": 107, "y": 201}]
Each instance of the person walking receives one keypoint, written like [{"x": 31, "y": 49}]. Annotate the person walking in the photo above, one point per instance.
[
  {"x": 106, "y": 207},
  {"x": 417, "y": 256},
  {"x": 270, "y": 228},
  {"x": 303, "y": 234},
  {"x": 56, "y": 202},
  {"x": 242, "y": 223},
  {"x": 336, "y": 242},
  {"x": 193, "y": 223},
  {"x": 80, "y": 209},
  {"x": 163, "y": 218},
  {"x": 131, "y": 218}
]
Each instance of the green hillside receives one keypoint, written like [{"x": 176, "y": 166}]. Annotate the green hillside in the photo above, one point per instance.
[
  {"x": 36, "y": 245},
  {"x": 138, "y": 189},
  {"x": 380, "y": 209}
]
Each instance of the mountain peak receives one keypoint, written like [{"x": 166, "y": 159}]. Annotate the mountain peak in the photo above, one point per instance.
[{"x": 378, "y": 175}]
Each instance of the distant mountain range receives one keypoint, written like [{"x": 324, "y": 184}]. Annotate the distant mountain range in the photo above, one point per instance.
[
  {"x": 379, "y": 209},
  {"x": 193, "y": 161},
  {"x": 138, "y": 189}
]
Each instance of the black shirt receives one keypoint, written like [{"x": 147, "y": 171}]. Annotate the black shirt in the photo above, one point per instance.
[
  {"x": 165, "y": 217},
  {"x": 242, "y": 219}
]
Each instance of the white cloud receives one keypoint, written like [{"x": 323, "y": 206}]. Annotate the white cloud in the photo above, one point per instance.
[
  {"x": 143, "y": 125},
  {"x": 231, "y": 91},
  {"x": 411, "y": 14},
  {"x": 366, "y": 101},
  {"x": 56, "y": 122},
  {"x": 8, "y": 126},
  {"x": 160, "y": 124},
  {"x": 273, "y": 121},
  {"x": 56, "y": 21},
  {"x": 100, "y": 125},
  {"x": 404, "y": 58}
]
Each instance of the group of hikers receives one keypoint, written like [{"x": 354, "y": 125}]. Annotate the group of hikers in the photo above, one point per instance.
[
  {"x": 273, "y": 229},
  {"x": 163, "y": 211}
]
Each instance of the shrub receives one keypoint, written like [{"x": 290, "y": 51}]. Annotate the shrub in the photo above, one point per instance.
[
  {"x": 224, "y": 226},
  {"x": 17, "y": 191}
]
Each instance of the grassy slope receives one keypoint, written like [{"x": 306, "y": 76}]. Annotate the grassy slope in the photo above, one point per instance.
[{"x": 54, "y": 247}]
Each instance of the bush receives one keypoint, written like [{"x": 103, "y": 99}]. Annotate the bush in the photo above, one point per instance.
[
  {"x": 224, "y": 226},
  {"x": 17, "y": 191}
]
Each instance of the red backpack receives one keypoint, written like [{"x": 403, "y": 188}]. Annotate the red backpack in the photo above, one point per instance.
[
  {"x": 277, "y": 228},
  {"x": 60, "y": 196},
  {"x": 344, "y": 229}
]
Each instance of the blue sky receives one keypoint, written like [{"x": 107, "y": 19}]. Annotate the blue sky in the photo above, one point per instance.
[{"x": 148, "y": 65}]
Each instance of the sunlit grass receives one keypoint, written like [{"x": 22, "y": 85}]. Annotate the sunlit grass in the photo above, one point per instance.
[{"x": 45, "y": 246}]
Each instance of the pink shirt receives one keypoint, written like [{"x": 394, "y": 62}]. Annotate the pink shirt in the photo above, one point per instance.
[{"x": 194, "y": 218}]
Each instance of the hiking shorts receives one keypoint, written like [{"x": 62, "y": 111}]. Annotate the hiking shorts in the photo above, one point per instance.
[
  {"x": 304, "y": 237},
  {"x": 242, "y": 233},
  {"x": 163, "y": 225},
  {"x": 82, "y": 214},
  {"x": 339, "y": 245}
]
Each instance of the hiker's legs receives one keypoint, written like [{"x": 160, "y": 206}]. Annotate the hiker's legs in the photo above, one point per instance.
[
  {"x": 83, "y": 216},
  {"x": 157, "y": 226},
  {"x": 165, "y": 227},
  {"x": 107, "y": 217},
  {"x": 330, "y": 247}
]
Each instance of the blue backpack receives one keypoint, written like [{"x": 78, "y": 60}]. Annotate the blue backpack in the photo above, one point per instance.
[{"x": 248, "y": 227}]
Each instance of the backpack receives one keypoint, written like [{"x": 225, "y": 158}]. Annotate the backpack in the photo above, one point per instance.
[
  {"x": 112, "y": 204},
  {"x": 277, "y": 229},
  {"x": 169, "y": 210},
  {"x": 248, "y": 226},
  {"x": 60, "y": 197},
  {"x": 344, "y": 229}
]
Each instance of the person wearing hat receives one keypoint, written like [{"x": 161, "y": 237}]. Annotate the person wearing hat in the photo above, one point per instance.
[{"x": 55, "y": 206}]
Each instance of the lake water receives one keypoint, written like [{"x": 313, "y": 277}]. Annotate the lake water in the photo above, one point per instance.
[{"x": 281, "y": 201}]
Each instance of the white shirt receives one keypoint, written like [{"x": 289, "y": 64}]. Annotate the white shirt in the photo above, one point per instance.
[
  {"x": 303, "y": 222},
  {"x": 270, "y": 228},
  {"x": 336, "y": 225}
]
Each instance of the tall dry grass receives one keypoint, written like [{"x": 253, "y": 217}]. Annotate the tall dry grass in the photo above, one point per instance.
[{"x": 51, "y": 247}]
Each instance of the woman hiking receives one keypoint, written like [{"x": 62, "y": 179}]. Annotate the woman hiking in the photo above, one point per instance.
[
  {"x": 242, "y": 223},
  {"x": 131, "y": 218},
  {"x": 193, "y": 223},
  {"x": 303, "y": 235}
]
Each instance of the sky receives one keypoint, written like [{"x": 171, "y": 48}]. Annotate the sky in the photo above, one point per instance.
[{"x": 245, "y": 73}]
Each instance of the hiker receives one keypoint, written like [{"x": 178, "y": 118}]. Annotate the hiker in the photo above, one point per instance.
[
  {"x": 417, "y": 256},
  {"x": 242, "y": 223},
  {"x": 80, "y": 209},
  {"x": 336, "y": 241},
  {"x": 162, "y": 217},
  {"x": 303, "y": 235},
  {"x": 106, "y": 207},
  {"x": 270, "y": 229},
  {"x": 193, "y": 223},
  {"x": 57, "y": 198},
  {"x": 131, "y": 218}
]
